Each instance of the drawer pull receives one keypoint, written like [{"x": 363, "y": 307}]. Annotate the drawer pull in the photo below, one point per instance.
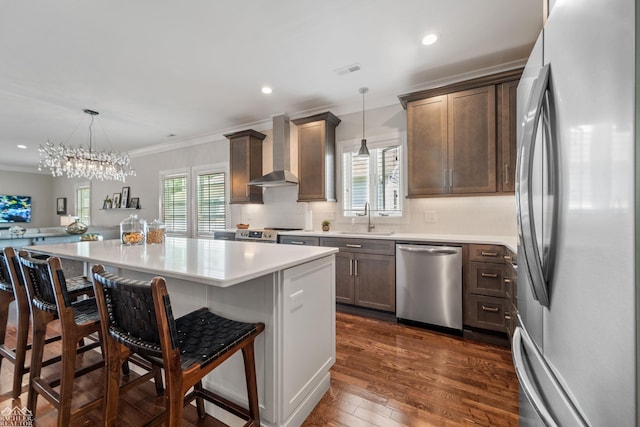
[
  {"x": 491, "y": 309},
  {"x": 349, "y": 245},
  {"x": 492, "y": 275},
  {"x": 296, "y": 242},
  {"x": 483, "y": 253},
  {"x": 507, "y": 258},
  {"x": 507, "y": 281}
]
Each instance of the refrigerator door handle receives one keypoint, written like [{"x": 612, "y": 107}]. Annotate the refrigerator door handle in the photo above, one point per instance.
[
  {"x": 537, "y": 271},
  {"x": 523, "y": 350}
]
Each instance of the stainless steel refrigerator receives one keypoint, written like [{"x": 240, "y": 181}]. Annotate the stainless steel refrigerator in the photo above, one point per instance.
[{"x": 576, "y": 347}]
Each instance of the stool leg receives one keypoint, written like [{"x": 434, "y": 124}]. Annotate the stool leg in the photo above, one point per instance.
[
  {"x": 22, "y": 334},
  {"x": 112, "y": 383},
  {"x": 175, "y": 399},
  {"x": 69, "y": 345},
  {"x": 157, "y": 379},
  {"x": 199, "y": 400},
  {"x": 40, "y": 320},
  {"x": 252, "y": 388},
  {"x": 5, "y": 300}
]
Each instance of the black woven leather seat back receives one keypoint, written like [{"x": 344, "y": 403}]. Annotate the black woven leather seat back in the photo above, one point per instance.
[
  {"x": 5, "y": 278},
  {"x": 131, "y": 313},
  {"x": 37, "y": 271}
]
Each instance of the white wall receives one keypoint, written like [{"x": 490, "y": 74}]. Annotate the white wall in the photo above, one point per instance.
[{"x": 462, "y": 215}]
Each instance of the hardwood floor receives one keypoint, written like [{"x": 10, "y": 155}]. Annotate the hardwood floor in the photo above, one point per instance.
[{"x": 385, "y": 375}]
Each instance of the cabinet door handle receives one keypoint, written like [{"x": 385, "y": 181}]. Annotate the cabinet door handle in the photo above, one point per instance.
[
  {"x": 490, "y": 309},
  {"x": 350, "y": 267},
  {"x": 506, "y": 173},
  {"x": 450, "y": 179},
  {"x": 483, "y": 253},
  {"x": 444, "y": 178},
  {"x": 349, "y": 245},
  {"x": 507, "y": 281},
  {"x": 246, "y": 190},
  {"x": 492, "y": 275},
  {"x": 296, "y": 242},
  {"x": 355, "y": 261}
]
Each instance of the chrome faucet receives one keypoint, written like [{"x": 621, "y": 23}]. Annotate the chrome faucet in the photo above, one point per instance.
[{"x": 367, "y": 212}]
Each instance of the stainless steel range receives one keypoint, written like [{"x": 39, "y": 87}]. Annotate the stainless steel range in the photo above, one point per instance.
[{"x": 264, "y": 235}]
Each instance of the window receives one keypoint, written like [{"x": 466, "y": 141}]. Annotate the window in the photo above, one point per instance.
[
  {"x": 174, "y": 203},
  {"x": 83, "y": 204},
  {"x": 375, "y": 179},
  {"x": 194, "y": 200},
  {"x": 211, "y": 202}
]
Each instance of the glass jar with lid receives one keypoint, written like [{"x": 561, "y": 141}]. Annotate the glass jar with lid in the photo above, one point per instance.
[
  {"x": 156, "y": 231},
  {"x": 133, "y": 230}
]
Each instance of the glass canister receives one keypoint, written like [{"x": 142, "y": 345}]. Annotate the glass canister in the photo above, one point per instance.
[
  {"x": 133, "y": 230},
  {"x": 156, "y": 231}
]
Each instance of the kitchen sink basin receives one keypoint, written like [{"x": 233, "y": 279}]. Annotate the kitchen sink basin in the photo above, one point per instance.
[{"x": 370, "y": 233}]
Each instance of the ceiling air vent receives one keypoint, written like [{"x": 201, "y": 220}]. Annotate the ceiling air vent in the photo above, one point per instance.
[{"x": 348, "y": 69}]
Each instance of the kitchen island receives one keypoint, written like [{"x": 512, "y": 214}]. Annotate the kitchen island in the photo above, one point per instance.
[{"x": 290, "y": 289}]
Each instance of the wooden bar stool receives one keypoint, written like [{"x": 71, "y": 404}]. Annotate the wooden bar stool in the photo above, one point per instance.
[
  {"x": 12, "y": 289},
  {"x": 136, "y": 317},
  {"x": 50, "y": 300}
]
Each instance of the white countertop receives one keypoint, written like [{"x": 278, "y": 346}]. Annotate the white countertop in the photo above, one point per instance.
[
  {"x": 509, "y": 241},
  {"x": 214, "y": 262}
]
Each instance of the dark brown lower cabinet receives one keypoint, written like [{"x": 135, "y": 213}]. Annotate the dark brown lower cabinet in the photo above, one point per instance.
[
  {"x": 487, "y": 305},
  {"x": 363, "y": 278}
]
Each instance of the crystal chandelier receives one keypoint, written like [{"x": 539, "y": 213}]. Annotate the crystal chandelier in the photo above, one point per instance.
[{"x": 82, "y": 163}]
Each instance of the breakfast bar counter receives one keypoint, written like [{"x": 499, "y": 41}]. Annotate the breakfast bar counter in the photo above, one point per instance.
[{"x": 291, "y": 289}]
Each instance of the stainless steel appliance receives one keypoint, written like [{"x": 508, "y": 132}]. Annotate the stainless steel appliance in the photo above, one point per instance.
[
  {"x": 575, "y": 349},
  {"x": 264, "y": 236},
  {"x": 429, "y": 284}
]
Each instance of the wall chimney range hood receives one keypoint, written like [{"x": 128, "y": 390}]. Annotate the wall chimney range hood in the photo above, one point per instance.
[{"x": 281, "y": 175}]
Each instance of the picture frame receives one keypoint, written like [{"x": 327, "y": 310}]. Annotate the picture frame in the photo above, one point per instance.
[
  {"x": 125, "y": 197},
  {"x": 107, "y": 204},
  {"x": 116, "y": 200},
  {"x": 134, "y": 203},
  {"x": 61, "y": 205}
]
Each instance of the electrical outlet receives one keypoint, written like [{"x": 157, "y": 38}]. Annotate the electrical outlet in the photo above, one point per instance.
[{"x": 430, "y": 217}]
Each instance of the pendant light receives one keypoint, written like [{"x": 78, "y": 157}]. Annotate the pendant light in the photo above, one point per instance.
[{"x": 364, "y": 151}]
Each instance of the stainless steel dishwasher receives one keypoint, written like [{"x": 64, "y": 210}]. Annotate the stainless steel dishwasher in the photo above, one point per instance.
[{"x": 429, "y": 284}]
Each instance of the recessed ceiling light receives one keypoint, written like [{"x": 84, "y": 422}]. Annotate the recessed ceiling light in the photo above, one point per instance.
[
  {"x": 430, "y": 39},
  {"x": 267, "y": 90},
  {"x": 24, "y": 147}
]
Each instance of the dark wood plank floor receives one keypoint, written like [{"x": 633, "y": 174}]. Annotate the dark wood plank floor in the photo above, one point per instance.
[{"x": 385, "y": 375}]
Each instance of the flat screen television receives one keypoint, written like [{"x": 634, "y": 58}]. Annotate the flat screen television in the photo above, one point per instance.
[{"x": 15, "y": 209}]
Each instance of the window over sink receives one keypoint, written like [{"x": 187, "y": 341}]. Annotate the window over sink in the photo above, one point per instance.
[{"x": 376, "y": 179}]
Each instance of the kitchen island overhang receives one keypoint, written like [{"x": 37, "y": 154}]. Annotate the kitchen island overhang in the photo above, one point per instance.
[{"x": 289, "y": 288}]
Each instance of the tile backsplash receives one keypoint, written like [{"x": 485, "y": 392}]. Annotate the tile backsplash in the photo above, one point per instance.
[{"x": 493, "y": 215}]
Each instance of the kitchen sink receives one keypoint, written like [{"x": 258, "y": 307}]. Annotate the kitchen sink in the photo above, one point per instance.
[{"x": 370, "y": 233}]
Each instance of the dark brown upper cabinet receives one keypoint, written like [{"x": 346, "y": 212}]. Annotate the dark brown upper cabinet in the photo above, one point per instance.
[
  {"x": 461, "y": 137},
  {"x": 507, "y": 143},
  {"x": 245, "y": 160},
  {"x": 317, "y": 157}
]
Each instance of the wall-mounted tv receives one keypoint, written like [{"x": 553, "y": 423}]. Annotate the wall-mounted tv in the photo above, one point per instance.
[{"x": 15, "y": 209}]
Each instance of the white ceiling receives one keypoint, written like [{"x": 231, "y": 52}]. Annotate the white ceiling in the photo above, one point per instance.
[{"x": 195, "y": 68}]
